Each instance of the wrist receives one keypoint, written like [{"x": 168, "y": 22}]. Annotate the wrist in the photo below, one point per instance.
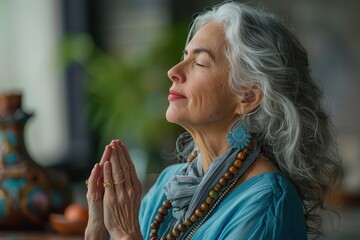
[
  {"x": 96, "y": 232},
  {"x": 132, "y": 236}
]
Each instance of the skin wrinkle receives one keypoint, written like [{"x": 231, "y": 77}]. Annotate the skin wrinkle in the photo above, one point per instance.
[
  {"x": 216, "y": 75},
  {"x": 210, "y": 106}
]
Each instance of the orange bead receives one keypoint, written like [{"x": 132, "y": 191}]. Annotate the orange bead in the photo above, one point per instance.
[
  {"x": 193, "y": 218},
  {"x": 182, "y": 227},
  {"x": 167, "y": 204},
  {"x": 159, "y": 218},
  {"x": 188, "y": 222},
  {"x": 246, "y": 150},
  {"x": 162, "y": 211},
  {"x": 218, "y": 187},
  {"x": 170, "y": 236},
  {"x": 233, "y": 170},
  {"x": 175, "y": 232},
  {"x": 204, "y": 206},
  {"x": 238, "y": 164},
  {"x": 155, "y": 225},
  {"x": 153, "y": 233},
  {"x": 228, "y": 175},
  {"x": 241, "y": 156},
  {"x": 223, "y": 181},
  {"x": 209, "y": 200},
  {"x": 199, "y": 213}
]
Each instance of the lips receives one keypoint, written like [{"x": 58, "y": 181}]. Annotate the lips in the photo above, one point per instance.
[{"x": 174, "y": 95}]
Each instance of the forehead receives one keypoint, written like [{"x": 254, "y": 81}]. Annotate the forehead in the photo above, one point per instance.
[{"x": 211, "y": 36}]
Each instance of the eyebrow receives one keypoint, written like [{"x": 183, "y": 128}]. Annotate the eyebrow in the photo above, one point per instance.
[{"x": 201, "y": 50}]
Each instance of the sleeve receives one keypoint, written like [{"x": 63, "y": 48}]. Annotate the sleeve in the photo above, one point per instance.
[{"x": 277, "y": 215}]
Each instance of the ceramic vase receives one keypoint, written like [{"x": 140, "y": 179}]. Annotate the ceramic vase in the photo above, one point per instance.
[{"x": 26, "y": 194}]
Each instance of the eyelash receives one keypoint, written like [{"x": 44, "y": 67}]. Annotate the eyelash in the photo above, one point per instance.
[
  {"x": 200, "y": 65},
  {"x": 196, "y": 63}
]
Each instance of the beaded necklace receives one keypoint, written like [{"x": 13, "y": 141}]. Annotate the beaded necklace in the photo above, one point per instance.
[{"x": 213, "y": 199}]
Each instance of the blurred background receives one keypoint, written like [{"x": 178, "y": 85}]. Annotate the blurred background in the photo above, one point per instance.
[{"x": 92, "y": 71}]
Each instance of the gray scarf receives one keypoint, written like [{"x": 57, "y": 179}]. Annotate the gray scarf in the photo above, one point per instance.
[{"x": 190, "y": 186}]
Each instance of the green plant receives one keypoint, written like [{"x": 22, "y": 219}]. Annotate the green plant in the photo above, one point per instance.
[{"x": 128, "y": 100}]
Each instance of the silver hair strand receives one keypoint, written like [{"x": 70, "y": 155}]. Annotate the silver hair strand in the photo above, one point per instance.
[{"x": 291, "y": 123}]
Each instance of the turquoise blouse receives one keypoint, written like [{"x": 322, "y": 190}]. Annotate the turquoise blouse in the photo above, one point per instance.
[{"x": 266, "y": 206}]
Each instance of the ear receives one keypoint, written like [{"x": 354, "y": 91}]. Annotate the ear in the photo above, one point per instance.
[{"x": 249, "y": 99}]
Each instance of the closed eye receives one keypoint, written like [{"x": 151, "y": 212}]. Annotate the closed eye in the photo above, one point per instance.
[{"x": 199, "y": 64}]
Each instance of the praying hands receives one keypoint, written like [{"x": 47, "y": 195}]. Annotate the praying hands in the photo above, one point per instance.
[{"x": 113, "y": 196}]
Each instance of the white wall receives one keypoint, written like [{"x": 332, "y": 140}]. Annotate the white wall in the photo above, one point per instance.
[{"x": 29, "y": 41}]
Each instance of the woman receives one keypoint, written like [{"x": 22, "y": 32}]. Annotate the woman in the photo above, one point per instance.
[{"x": 262, "y": 154}]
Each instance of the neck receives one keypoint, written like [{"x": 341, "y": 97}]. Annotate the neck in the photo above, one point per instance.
[{"x": 210, "y": 144}]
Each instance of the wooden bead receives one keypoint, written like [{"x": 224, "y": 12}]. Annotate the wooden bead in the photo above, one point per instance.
[
  {"x": 199, "y": 213},
  {"x": 204, "y": 206},
  {"x": 162, "y": 211},
  {"x": 170, "y": 236},
  {"x": 188, "y": 222},
  {"x": 194, "y": 154},
  {"x": 175, "y": 232},
  {"x": 213, "y": 194},
  {"x": 193, "y": 218},
  {"x": 159, "y": 218},
  {"x": 182, "y": 227},
  {"x": 233, "y": 170},
  {"x": 238, "y": 164},
  {"x": 246, "y": 150},
  {"x": 209, "y": 200},
  {"x": 241, "y": 156},
  {"x": 154, "y": 233},
  {"x": 218, "y": 187},
  {"x": 228, "y": 175},
  {"x": 166, "y": 204},
  {"x": 154, "y": 238},
  {"x": 223, "y": 181},
  {"x": 155, "y": 225}
]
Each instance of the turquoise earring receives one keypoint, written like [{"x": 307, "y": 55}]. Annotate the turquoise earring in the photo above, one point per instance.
[{"x": 239, "y": 136}]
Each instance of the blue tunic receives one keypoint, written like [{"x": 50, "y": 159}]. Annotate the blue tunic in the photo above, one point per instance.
[{"x": 266, "y": 206}]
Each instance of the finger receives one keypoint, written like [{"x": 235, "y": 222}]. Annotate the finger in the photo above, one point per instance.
[
  {"x": 117, "y": 173},
  {"x": 123, "y": 166},
  {"x": 133, "y": 176},
  {"x": 93, "y": 179},
  {"x": 106, "y": 155},
  {"x": 108, "y": 181}
]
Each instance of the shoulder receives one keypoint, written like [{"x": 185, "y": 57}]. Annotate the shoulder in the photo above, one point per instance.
[
  {"x": 266, "y": 206},
  {"x": 270, "y": 191}
]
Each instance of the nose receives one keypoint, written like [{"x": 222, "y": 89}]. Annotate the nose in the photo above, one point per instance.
[{"x": 176, "y": 74}]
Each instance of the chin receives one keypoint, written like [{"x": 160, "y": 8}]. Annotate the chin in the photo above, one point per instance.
[{"x": 172, "y": 116}]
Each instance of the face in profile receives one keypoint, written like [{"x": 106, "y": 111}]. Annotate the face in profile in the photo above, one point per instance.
[{"x": 200, "y": 93}]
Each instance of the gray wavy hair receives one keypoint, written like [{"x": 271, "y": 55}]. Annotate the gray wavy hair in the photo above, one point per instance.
[{"x": 291, "y": 124}]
